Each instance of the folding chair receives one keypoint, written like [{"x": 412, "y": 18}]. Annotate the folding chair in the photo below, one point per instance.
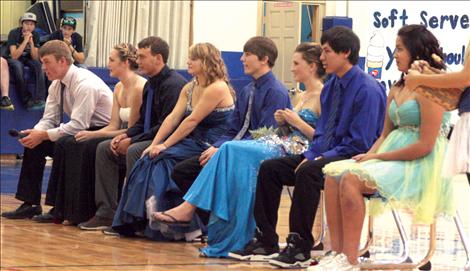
[{"x": 404, "y": 261}]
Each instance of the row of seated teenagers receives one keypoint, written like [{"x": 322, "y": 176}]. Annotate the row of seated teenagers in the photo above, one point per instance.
[{"x": 189, "y": 137}]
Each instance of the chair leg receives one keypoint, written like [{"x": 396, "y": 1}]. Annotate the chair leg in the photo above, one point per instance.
[
  {"x": 463, "y": 238},
  {"x": 364, "y": 252},
  {"x": 403, "y": 237},
  {"x": 318, "y": 244},
  {"x": 425, "y": 260},
  {"x": 290, "y": 193}
]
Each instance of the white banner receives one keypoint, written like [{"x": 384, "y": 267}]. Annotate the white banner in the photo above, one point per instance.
[{"x": 449, "y": 21}]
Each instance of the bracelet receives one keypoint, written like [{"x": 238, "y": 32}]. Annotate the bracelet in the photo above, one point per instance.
[{"x": 166, "y": 147}]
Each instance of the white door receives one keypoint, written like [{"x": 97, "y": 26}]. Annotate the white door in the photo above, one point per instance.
[{"x": 282, "y": 25}]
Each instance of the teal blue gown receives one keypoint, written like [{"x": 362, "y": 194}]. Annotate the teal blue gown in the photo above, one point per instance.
[{"x": 226, "y": 187}]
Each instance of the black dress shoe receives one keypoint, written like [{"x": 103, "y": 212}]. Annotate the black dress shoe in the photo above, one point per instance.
[
  {"x": 24, "y": 211},
  {"x": 45, "y": 218}
]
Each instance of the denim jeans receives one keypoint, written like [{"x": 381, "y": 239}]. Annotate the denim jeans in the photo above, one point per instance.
[{"x": 16, "y": 72}]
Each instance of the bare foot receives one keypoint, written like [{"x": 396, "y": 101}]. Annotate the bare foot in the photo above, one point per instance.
[{"x": 182, "y": 212}]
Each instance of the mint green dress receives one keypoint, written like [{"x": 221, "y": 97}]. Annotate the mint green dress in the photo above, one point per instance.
[{"x": 416, "y": 185}]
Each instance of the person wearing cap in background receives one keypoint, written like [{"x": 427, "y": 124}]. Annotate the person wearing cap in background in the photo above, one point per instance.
[
  {"x": 23, "y": 45},
  {"x": 67, "y": 34}
]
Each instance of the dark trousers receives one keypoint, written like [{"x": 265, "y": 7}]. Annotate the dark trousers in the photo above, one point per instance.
[
  {"x": 32, "y": 171},
  {"x": 308, "y": 182},
  {"x": 184, "y": 174},
  {"x": 16, "y": 71}
]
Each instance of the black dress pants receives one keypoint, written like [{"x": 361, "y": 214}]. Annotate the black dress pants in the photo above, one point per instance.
[
  {"x": 32, "y": 171},
  {"x": 184, "y": 174},
  {"x": 308, "y": 182}
]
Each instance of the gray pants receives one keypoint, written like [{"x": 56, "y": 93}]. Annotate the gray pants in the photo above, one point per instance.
[{"x": 107, "y": 175}]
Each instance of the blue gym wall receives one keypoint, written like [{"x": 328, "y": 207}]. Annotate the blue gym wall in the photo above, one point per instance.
[{"x": 21, "y": 118}]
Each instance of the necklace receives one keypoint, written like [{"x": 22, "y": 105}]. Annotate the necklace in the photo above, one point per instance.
[{"x": 303, "y": 101}]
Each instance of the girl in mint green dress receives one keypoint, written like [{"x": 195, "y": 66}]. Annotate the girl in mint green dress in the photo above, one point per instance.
[{"x": 403, "y": 168}]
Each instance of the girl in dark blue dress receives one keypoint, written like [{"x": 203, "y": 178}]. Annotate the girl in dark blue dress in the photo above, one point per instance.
[{"x": 197, "y": 121}]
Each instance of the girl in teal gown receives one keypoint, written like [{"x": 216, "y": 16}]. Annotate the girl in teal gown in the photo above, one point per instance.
[
  {"x": 402, "y": 169},
  {"x": 227, "y": 184}
]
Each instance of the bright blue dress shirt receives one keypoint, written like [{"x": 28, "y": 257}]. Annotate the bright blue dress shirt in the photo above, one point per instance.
[{"x": 359, "y": 118}]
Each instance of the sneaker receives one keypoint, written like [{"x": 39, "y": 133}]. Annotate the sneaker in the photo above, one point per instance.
[
  {"x": 96, "y": 223},
  {"x": 110, "y": 231},
  {"x": 295, "y": 255},
  {"x": 26, "y": 210},
  {"x": 38, "y": 105},
  {"x": 255, "y": 251},
  {"x": 29, "y": 104},
  {"x": 6, "y": 104},
  {"x": 322, "y": 260},
  {"x": 339, "y": 263}
]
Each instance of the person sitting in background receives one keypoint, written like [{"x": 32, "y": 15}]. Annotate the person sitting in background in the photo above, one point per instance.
[
  {"x": 23, "y": 46},
  {"x": 71, "y": 187},
  {"x": 83, "y": 96},
  {"x": 197, "y": 121},
  {"x": 403, "y": 167},
  {"x": 67, "y": 34},
  {"x": 457, "y": 159},
  {"x": 161, "y": 92},
  {"x": 228, "y": 192},
  {"x": 5, "y": 103}
]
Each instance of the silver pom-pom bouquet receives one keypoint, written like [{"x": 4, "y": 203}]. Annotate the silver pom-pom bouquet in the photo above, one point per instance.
[{"x": 291, "y": 143}]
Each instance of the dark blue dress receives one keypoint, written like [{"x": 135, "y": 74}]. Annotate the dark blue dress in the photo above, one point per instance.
[{"x": 151, "y": 179}]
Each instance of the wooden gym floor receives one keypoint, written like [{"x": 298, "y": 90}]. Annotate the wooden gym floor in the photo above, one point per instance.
[{"x": 26, "y": 245}]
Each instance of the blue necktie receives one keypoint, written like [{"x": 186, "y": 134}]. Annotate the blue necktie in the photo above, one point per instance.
[
  {"x": 331, "y": 122},
  {"x": 148, "y": 109},
  {"x": 246, "y": 123}
]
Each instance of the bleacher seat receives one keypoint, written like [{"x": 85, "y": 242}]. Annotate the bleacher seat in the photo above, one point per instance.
[{"x": 21, "y": 118}]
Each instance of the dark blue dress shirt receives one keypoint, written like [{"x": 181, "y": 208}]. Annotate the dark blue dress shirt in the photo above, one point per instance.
[
  {"x": 359, "y": 119},
  {"x": 269, "y": 96}
]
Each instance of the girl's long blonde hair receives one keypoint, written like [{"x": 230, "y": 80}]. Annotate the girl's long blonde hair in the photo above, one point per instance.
[{"x": 213, "y": 66}]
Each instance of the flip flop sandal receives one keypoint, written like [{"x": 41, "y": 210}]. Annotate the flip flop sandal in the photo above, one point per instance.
[{"x": 173, "y": 221}]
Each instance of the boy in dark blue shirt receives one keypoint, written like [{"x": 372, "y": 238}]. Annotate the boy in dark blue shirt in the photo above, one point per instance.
[
  {"x": 23, "y": 45},
  {"x": 68, "y": 35},
  {"x": 267, "y": 94}
]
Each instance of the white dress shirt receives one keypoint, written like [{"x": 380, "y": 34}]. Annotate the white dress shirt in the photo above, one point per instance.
[{"x": 87, "y": 101}]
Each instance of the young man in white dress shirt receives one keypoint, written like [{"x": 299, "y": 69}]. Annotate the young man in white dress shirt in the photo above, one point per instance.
[{"x": 86, "y": 100}]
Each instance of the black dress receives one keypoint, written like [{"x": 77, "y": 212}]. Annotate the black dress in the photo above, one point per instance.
[{"x": 71, "y": 188}]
